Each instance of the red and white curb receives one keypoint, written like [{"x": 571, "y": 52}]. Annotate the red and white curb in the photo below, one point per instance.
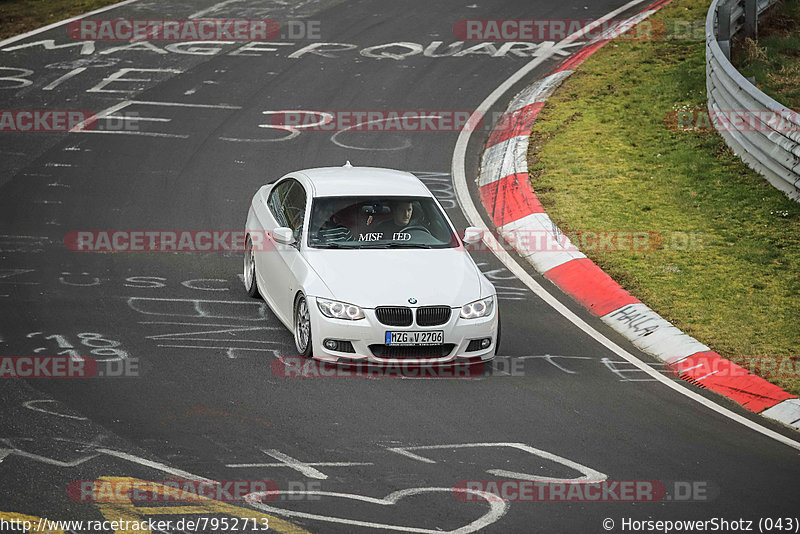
[{"x": 506, "y": 193}]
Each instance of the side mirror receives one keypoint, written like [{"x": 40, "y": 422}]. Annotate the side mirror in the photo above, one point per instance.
[
  {"x": 473, "y": 235},
  {"x": 283, "y": 235}
]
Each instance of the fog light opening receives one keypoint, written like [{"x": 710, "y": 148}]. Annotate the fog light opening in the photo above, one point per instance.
[
  {"x": 338, "y": 345},
  {"x": 479, "y": 344}
]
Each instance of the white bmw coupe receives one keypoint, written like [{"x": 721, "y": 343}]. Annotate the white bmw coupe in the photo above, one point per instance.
[{"x": 362, "y": 263}]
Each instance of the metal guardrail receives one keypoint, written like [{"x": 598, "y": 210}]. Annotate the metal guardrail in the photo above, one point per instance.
[{"x": 768, "y": 139}]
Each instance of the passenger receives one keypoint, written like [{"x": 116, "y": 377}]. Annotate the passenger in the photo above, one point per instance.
[{"x": 333, "y": 230}]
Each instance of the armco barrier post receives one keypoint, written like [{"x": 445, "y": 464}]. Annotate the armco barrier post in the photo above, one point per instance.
[
  {"x": 751, "y": 19},
  {"x": 771, "y": 147},
  {"x": 724, "y": 29}
]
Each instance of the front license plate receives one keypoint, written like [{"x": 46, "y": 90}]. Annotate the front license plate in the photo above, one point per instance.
[{"x": 430, "y": 337}]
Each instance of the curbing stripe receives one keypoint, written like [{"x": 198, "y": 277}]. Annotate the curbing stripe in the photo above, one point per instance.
[
  {"x": 504, "y": 158},
  {"x": 787, "y": 412},
  {"x": 590, "y": 285},
  {"x": 510, "y": 198},
  {"x": 515, "y": 124},
  {"x": 538, "y": 91},
  {"x": 538, "y": 240},
  {"x": 652, "y": 333},
  {"x": 712, "y": 371},
  {"x": 501, "y": 176}
]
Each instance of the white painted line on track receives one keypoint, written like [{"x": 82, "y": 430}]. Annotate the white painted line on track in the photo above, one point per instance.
[
  {"x": 315, "y": 464},
  {"x": 474, "y": 218},
  {"x": 295, "y": 464},
  {"x": 497, "y": 508},
  {"x": 549, "y": 358},
  {"x": 404, "y": 452},
  {"x": 30, "y": 405},
  {"x": 215, "y": 7},
  {"x": 67, "y": 76},
  {"x": 587, "y": 473},
  {"x": 610, "y": 365},
  {"x": 136, "y": 119},
  {"x": 152, "y": 464},
  {"x": 43, "y": 459}
]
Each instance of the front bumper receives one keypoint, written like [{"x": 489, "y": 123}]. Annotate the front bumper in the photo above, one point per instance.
[{"x": 362, "y": 333}]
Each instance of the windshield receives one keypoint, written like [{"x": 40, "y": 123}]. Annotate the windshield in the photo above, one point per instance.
[{"x": 378, "y": 222}]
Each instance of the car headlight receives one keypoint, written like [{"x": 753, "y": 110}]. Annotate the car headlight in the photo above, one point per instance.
[
  {"x": 479, "y": 308},
  {"x": 339, "y": 310}
]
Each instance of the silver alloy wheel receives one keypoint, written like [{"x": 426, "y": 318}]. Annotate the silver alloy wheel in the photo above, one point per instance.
[
  {"x": 249, "y": 265},
  {"x": 302, "y": 326}
]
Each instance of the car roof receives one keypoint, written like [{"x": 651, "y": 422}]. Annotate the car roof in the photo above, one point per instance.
[{"x": 360, "y": 181}]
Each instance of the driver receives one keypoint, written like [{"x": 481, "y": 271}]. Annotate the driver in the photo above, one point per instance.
[{"x": 401, "y": 218}]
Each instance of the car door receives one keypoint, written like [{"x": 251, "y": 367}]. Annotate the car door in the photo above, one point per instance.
[{"x": 287, "y": 205}]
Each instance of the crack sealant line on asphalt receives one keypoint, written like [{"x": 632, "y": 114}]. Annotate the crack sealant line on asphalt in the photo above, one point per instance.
[{"x": 504, "y": 170}]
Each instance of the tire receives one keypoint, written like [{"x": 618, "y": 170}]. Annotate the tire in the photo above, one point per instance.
[
  {"x": 250, "y": 282},
  {"x": 302, "y": 326}
]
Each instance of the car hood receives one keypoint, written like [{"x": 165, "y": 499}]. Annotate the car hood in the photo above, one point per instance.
[{"x": 390, "y": 277}]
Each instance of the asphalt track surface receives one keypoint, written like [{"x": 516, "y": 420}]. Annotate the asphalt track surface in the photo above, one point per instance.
[{"x": 207, "y": 401}]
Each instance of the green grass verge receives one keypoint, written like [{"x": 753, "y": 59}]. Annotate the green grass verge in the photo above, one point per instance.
[
  {"x": 20, "y": 16},
  {"x": 774, "y": 59},
  {"x": 602, "y": 158}
]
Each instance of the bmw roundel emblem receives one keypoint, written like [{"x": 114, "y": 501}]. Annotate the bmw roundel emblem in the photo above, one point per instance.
[{"x": 412, "y": 300}]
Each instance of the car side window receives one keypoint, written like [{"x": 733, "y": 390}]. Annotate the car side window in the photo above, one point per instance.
[
  {"x": 294, "y": 208},
  {"x": 275, "y": 202}
]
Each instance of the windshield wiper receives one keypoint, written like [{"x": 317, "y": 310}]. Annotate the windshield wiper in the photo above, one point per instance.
[{"x": 345, "y": 244}]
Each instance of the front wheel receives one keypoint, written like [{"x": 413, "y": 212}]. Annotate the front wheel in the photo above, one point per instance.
[
  {"x": 250, "y": 283},
  {"x": 302, "y": 326}
]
